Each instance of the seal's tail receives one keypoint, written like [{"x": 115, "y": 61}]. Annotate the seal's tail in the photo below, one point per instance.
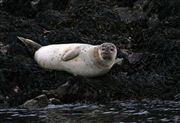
[{"x": 31, "y": 45}]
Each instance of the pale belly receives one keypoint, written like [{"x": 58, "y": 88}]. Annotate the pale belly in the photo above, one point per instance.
[
  {"x": 81, "y": 65},
  {"x": 82, "y": 68},
  {"x": 75, "y": 66}
]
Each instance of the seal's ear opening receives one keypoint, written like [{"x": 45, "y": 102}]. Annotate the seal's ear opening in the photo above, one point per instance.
[{"x": 32, "y": 46}]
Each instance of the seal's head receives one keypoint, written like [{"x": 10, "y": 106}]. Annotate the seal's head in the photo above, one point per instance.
[{"x": 108, "y": 51}]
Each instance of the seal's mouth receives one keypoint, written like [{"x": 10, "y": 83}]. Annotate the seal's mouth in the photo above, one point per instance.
[{"x": 107, "y": 56}]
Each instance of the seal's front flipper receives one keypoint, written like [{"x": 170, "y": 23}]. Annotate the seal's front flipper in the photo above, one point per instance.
[
  {"x": 71, "y": 54},
  {"x": 119, "y": 61},
  {"x": 31, "y": 45}
]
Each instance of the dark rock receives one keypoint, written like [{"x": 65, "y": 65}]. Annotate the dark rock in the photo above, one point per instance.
[
  {"x": 2, "y": 98},
  {"x": 42, "y": 5},
  {"x": 160, "y": 7},
  {"x": 126, "y": 3},
  {"x": 58, "y": 92},
  {"x": 177, "y": 97},
  {"x": 3, "y": 102},
  {"x": 153, "y": 21},
  {"x": 128, "y": 15},
  {"x": 19, "y": 7},
  {"x": 134, "y": 57},
  {"x": 55, "y": 101},
  {"x": 29, "y": 8},
  {"x": 76, "y": 3},
  {"x": 53, "y": 19},
  {"x": 38, "y": 102}
]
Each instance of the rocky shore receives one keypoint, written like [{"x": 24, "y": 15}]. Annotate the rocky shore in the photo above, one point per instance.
[{"x": 149, "y": 29}]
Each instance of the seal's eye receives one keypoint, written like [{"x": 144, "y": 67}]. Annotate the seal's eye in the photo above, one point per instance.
[{"x": 112, "y": 49}]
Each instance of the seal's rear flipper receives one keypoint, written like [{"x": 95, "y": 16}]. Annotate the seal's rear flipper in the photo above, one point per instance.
[{"x": 31, "y": 45}]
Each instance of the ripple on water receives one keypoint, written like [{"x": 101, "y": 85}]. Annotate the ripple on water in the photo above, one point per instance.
[{"x": 118, "y": 111}]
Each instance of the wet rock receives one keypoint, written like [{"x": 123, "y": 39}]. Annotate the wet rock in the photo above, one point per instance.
[
  {"x": 38, "y": 102},
  {"x": 58, "y": 92},
  {"x": 177, "y": 97},
  {"x": 55, "y": 101},
  {"x": 76, "y": 88}
]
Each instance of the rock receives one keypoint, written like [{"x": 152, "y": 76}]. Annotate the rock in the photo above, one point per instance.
[
  {"x": 75, "y": 88},
  {"x": 42, "y": 5},
  {"x": 134, "y": 57},
  {"x": 159, "y": 7},
  {"x": 4, "y": 49},
  {"x": 19, "y": 7},
  {"x": 126, "y": 3},
  {"x": 38, "y": 102},
  {"x": 29, "y": 8},
  {"x": 177, "y": 97},
  {"x": 2, "y": 98},
  {"x": 58, "y": 92},
  {"x": 75, "y": 3},
  {"x": 53, "y": 18},
  {"x": 34, "y": 4},
  {"x": 3, "y": 102},
  {"x": 128, "y": 15},
  {"x": 55, "y": 101}
]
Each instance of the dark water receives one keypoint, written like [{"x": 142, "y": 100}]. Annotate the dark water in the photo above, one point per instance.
[{"x": 115, "y": 112}]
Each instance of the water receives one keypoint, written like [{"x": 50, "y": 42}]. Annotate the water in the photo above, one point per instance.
[{"x": 115, "y": 112}]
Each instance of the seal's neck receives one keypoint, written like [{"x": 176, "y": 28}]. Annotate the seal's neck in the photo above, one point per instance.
[{"x": 100, "y": 61}]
